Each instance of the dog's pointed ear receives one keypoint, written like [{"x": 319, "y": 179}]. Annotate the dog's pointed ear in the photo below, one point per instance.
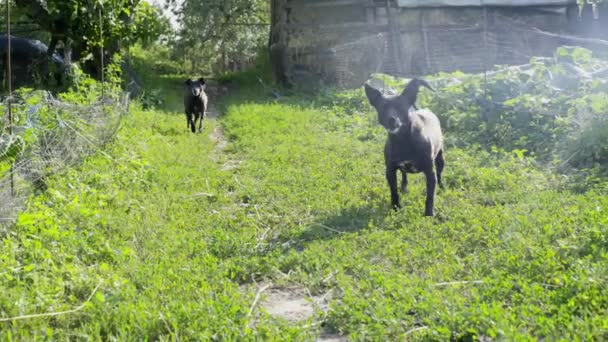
[
  {"x": 410, "y": 93},
  {"x": 373, "y": 95},
  {"x": 202, "y": 80}
]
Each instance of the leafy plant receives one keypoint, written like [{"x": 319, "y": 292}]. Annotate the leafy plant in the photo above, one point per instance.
[
  {"x": 215, "y": 34},
  {"x": 83, "y": 26},
  {"x": 544, "y": 107}
]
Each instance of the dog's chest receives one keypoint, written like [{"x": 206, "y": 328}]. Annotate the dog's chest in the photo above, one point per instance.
[{"x": 401, "y": 153}]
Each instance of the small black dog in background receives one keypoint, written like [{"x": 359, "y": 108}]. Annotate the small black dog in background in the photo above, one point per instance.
[{"x": 195, "y": 103}]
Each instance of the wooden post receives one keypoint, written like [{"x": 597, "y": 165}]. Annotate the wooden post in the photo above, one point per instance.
[
  {"x": 103, "y": 80},
  {"x": 9, "y": 85},
  {"x": 9, "y": 75},
  {"x": 278, "y": 43},
  {"x": 425, "y": 40},
  {"x": 224, "y": 59},
  {"x": 395, "y": 37},
  {"x": 485, "y": 51},
  {"x": 370, "y": 12}
]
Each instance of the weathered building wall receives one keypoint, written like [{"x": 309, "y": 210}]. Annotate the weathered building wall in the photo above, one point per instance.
[
  {"x": 474, "y": 39},
  {"x": 315, "y": 33},
  {"x": 344, "y": 41}
]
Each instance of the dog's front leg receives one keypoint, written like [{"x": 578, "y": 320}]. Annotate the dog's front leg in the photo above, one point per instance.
[
  {"x": 200, "y": 124},
  {"x": 193, "y": 123},
  {"x": 431, "y": 182},
  {"x": 391, "y": 178},
  {"x": 403, "y": 180}
]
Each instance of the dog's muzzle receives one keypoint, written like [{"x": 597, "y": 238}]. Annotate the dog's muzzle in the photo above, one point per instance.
[{"x": 393, "y": 126}]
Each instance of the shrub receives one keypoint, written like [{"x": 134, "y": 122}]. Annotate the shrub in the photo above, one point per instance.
[{"x": 553, "y": 108}]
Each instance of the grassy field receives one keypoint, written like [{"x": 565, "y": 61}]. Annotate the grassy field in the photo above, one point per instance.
[{"x": 173, "y": 236}]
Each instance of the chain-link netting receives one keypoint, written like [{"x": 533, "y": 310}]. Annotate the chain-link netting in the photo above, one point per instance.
[{"x": 49, "y": 136}]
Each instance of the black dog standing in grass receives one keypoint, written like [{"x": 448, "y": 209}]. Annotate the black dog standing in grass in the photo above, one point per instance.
[
  {"x": 195, "y": 103},
  {"x": 415, "y": 141}
]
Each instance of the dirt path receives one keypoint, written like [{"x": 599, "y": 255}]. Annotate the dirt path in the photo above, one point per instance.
[
  {"x": 216, "y": 93},
  {"x": 293, "y": 303}
]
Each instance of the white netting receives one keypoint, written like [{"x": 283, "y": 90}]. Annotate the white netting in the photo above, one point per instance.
[{"x": 48, "y": 137}]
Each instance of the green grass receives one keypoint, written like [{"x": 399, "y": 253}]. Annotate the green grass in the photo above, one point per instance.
[
  {"x": 539, "y": 252},
  {"x": 178, "y": 240}
]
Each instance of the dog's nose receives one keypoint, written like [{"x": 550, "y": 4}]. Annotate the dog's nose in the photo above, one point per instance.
[{"x": 392, "y": 122}]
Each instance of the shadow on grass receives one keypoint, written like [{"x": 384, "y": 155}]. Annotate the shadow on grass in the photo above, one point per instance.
[
  {"x": 348, "y": 220},
  {"x": 341, "y": 224},
  {"x": 351, "y": 220}
]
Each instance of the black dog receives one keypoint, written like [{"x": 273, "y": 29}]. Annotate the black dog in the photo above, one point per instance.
[
  {"x": 414, "y": 143},
  {"x": 195, "y": 103}
]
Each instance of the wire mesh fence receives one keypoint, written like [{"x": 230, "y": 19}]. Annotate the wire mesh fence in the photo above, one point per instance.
[
  {"x": 421, "y": 41},
  {"x": 49, "y": 136}
]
